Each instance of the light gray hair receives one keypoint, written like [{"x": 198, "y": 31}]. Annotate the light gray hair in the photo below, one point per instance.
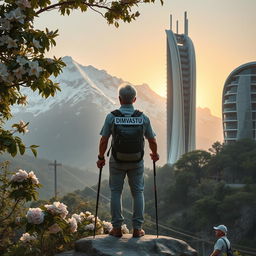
[{"x": 127, "y": 93}]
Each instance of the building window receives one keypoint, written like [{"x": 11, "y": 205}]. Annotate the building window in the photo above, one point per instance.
[{"x": 253, "y": 79}]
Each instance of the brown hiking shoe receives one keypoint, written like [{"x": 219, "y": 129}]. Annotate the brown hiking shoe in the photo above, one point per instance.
[
  {"x": 117, "y": 232},
  {"x": 138, "y": 232}
]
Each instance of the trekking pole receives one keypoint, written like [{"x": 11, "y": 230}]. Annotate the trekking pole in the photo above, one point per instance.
[
  {"x": 97, "y": 203},
  {"x": 154, "y": 164}
]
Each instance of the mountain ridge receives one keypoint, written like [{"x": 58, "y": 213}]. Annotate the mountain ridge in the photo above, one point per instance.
[{"x": 67, "y": 126}]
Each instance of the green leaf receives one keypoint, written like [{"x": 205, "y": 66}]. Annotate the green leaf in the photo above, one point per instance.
[
  {"x": 34, "y": 152},
  {"x": 22, "y": 149},
  {"x": 34, "y": 146}
]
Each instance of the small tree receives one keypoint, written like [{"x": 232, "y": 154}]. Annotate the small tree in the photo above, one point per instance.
[
  {"x": 23, "y": 49},
  {"x": 195, "y": 162}
]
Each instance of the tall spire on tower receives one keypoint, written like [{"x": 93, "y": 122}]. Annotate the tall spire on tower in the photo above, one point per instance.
[{"x": 185, "y": 24}]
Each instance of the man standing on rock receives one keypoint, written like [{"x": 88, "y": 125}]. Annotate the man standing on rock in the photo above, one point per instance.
[
  {"x": 222, "y": 245},
  {"x": 128, "y": 128}
]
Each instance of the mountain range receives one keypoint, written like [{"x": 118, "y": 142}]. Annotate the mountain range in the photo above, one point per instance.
[{"x": 67, "y": 126}]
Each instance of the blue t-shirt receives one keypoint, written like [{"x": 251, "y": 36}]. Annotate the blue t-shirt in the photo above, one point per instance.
[
  {"x": 221, "y": 246},
  {"x": 106, "y": 131}
]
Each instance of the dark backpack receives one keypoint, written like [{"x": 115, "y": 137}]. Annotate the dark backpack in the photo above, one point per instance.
[
  {"x": 128, "y": 137},
  {"x": 228, "y": 250}
]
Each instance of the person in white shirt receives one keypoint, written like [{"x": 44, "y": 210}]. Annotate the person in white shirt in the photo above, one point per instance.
[{"x": 222, "y": 244}]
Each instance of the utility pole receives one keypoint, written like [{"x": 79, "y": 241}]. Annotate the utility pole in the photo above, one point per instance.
[{"x": 55, "y": 176}]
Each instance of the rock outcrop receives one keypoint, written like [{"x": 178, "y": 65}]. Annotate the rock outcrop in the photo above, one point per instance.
[{"x": 149, "y": 245}]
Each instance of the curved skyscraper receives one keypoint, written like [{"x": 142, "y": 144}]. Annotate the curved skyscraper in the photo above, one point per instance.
[
  {"x": 239, "y": 104},
  {"x": 181, "y": 93}
]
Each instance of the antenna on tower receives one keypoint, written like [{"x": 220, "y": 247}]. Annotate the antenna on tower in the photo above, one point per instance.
[
  {"x": 185, "y": 24},
  {"x": 177, "y": 27},
  {"x": 170, "y": 22}
]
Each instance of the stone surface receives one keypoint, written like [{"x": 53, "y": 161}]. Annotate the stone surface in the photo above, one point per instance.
[{"x": 149, "y": 245}]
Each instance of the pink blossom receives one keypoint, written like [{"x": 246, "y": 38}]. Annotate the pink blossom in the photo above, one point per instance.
[
  {"x": 26, "y": 238},
  {"x": 77, "y": 217},
  {"x": 89, "y": 227},
  {"x": 124, "y": 228},
  {"x": 22, "y": 127},
  {"x": 19, "y": 176},
  {"x": 33, "y": 177},
  {"x": 35, "y": 216},
  {"x": 18, "y": 72},
  {"x": 57, "y": 208},
  {"x": 107, "y": 226},
  {"x": 73, "y": 224}
]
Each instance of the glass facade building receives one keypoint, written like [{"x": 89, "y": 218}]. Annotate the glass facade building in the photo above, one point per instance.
[
  {"x": 181, "y": 94},
  {"x": 239, "y": 104}
]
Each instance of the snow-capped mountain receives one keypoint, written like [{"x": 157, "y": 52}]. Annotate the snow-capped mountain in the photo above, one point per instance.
[
  {"x": 67, "y": 126},
  {"x": 86, "y": 82}
]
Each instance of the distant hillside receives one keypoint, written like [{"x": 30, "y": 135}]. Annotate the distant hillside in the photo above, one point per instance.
[
  {"x": 69, "y": 178},
  {"x": 208, "y": 129}
]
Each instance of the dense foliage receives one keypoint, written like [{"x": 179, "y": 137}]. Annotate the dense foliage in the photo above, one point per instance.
[{"x": 46, "y": 227}]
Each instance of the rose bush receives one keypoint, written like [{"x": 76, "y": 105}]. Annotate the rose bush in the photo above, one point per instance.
[{"x": 46, "y": 229}]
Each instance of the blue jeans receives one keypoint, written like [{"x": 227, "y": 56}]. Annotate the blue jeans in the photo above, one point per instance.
[{"x": 136, "y": 183}]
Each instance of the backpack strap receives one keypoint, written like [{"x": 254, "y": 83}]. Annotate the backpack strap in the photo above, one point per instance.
[
  {"x": 117, "y": 113},
  {"x": 137, "y": 113},
  {"x": 226, "y": 244}
]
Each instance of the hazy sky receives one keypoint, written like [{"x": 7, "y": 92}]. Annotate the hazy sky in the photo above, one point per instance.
[{"x": 223, "y": 33}]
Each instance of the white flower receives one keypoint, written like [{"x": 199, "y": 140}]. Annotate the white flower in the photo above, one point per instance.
[
  {"x": 23, "y": 3},
  {"x": 82, "y": 215},
  {"x": 89, "y": 227},
  {"x": 55, "y": 228},
  {"x": 107, "y": 226},
  {"x": 19, "y": 176},
  {"x": 87, "y": 213},
  {"x": 57, "y": 208},
  {"x": 19, "y": 72},
  {"x": 35, "y": 69},
  {"x": 125, "y": 230},
  {"x": 26, "y": 238},
  {"x": 22, "y": 127},
  {"x": 5, "y": 24},
  {"x": 33, "y": 177},
  {"x": 35, "y": 216},
  {"x": 21, "y": 60},
  {"x": 73, "y": 224},
  {"x": 36, "y": 44},
  {"x": 77, "y": 217},
  {"x": 15, "y": 15},
  {"x": 90, "y": 218}
]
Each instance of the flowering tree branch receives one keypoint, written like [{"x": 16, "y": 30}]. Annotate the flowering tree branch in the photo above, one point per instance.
[{"x": 70, "y": 4}]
